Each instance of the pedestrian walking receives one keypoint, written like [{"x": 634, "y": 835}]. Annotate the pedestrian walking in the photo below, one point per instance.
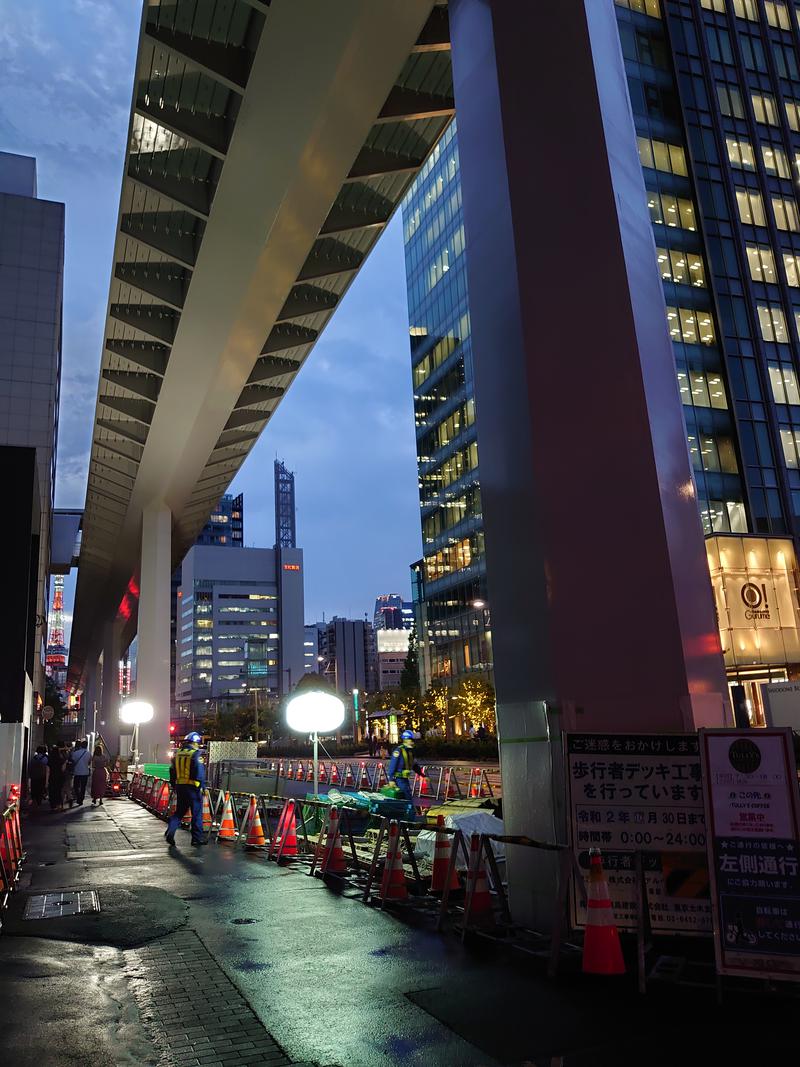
[
  {"x": 187, "y": 774},
  {"x": 401, "y": 764},
  {"x": 56, "y": 760},
  {"x": 80, "y": 769},
  {"x": 67, "y": 795},
  {"x": 38, "y": 775},
  {"x": 99, "y": 764}
]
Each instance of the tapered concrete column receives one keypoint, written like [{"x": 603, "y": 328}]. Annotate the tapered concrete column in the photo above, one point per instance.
[
  {"x": 109, "y": 712},
  {"x": 152, "y": 668},
  {"x": 599, "y": 590},
  {"x": 89, "y": 697}
]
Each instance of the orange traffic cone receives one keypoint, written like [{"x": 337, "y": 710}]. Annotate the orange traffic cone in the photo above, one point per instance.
[
  {"x": 349, "y": 780},
  {"x": 602, "y": 952},
  {"x": 255, "y": 831},
  {"x": 207, "y": 817},
  {"x": 451, "y": 786},
  {"x": 363, "y": 777},
  {"x": 333, "y": 861},
  {"x": 441, "y": 861},
  {"x": 163, "y": 800},
  {"x": 310, "y": 771},
  {"x": 424, "y": 785},
  {"x": 300, "y": 772},
  {"x": 290, "y": 770},
  {"x": 173, "y": 803},
  {"x": 478, "y": 908},
  {"x": 323, "y": 774},
  {"x": 334, "y": 774},
  {"x": 393, "y": 883},
  {"x": 287, "y": 843},
  {"x": 380, "y": 777},
  {"x": 227, "y": 828}
]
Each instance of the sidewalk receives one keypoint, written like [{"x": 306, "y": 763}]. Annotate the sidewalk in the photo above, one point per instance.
[{"x": 215, "y": 957}]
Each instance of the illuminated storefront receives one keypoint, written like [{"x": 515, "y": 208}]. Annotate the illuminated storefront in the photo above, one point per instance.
[{"x": 755, "y": 583}]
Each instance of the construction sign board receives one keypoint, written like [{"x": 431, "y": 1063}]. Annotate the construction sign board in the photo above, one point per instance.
[
  {"x": 751, "y": 801},
  {"x": 631, "y": 793}
]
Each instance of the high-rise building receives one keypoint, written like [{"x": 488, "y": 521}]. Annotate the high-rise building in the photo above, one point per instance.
[
  {"x": 225, "y": 528},
  {"x": 714, "y": 88},
  {"x": 392, "y": 612},
  {"x": 31, "y": 285},
  {"x": 451, "y": 633},
  {"x": 347, "y": 651},
  {"x": 240, "y": 625},
  {"x": 311, "y": 663}
]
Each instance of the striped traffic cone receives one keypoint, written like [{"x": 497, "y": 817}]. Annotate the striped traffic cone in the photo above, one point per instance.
[
  {"x": 349, "y": 780},
  {"x": 227, "y": 827},
  {"x": 424, "y": 785},
  {"x": 363, "y": 777},
  {"x": 310, "y": 771},
  {"x": 163, "y": 800},
  {"x": 323, "y": 774},
  {"x": 441, "y": 861},
  {"x": 393, "y": 883},
  {"x": 333, "y": 861},
  {"x": 287, "y": 841},
  {"x": 478, "y": 909},
  {"x": 255, "y": 831},
  {"x": 173, "y": 803},
  {"x": 602, "y": 952},
  {"x": 207, "y": 817},
  {"x": 334, "y": 774},
  {"x": 290, "y": 770},
  {"x": 475, "y": 783}
]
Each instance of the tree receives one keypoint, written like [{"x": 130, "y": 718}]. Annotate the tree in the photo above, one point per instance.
[
  {"x": 475, "y": 701},
  {"x": 409, "y": 678}
]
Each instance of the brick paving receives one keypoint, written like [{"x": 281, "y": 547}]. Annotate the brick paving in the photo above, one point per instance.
[
  {"x": 97, "y": 841},
  {"x": 196, "y": 1015}
]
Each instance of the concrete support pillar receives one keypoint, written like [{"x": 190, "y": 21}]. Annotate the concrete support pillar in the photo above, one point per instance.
[
  {"x": 109, "y": 711},
  {"x": 597, "y": 579},
  {"x": 152, "y": 669}
]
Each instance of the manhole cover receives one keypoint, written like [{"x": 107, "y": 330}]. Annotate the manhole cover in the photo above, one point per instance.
[
  {"x": 54, "y": 905},
  {"x": 243, "y": 922}
]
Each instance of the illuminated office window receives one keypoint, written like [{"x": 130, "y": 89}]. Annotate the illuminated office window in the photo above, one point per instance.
[
  {"x": 775, "y": 161},
  {"x": 791, "y": 266},
  {"x": 746, "y": 9},
  {"x": 764, "y": 109},
  {"x": 659, "y": 155},
  {"x": 690, "y": 326},
  {"x": 740, "y": 154},
  {"x": 751, "y": 207},
  {"x": 790, "y": 439},
  {"x": 644, "y": 7},
  {"x": 684, "y": 268},
  {"x": 773, "y": 323},
  {"x": 702, "y": 389},
  {"x": 761, "y": 263},
  {"x": 777, "y": 15},
  {"x": 784, "y": 384},
  {"x": 670, "y": 210},
  {"x": 713, "y": 454},
  {"x": 793, "y": 114},
  {"x": 713, "y": 5},
  {"x": 785, "y": 211}
]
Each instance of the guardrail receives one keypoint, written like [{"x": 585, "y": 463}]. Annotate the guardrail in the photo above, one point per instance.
[{"x": 11, "y": 852}]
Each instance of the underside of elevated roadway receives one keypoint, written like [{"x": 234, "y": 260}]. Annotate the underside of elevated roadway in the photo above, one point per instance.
[{"x": 269, "y": 145}]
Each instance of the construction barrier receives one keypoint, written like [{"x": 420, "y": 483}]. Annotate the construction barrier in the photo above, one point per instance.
[{"x": 11, "y": 851}]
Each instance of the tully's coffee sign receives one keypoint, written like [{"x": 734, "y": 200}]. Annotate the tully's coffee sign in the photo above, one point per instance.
[
  {"x": 756, "y": 601},
  {"x": 751, "y": 800}
]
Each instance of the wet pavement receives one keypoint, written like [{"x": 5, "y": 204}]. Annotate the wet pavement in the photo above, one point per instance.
[{"x": 218, "y": 957}]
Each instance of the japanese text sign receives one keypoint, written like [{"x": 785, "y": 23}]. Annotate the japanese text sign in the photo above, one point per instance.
[
  {"x": 642, "y": 792},
  {"x": 752, "y": 814}
]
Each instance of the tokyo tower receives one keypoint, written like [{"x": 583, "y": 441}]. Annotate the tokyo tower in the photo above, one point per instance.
[{"x": 56, "y": 660}]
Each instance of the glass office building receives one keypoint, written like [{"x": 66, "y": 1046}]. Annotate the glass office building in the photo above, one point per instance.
[
  {"x": 715, "y": 95},
  {"x": 450, "y": 582}
]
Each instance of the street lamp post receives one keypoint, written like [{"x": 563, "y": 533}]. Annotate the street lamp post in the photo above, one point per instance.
[{"x": 314, "y": 712}]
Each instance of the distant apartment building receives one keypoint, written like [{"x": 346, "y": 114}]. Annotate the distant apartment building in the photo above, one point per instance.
[
  {"x": 240, "y": 625},
  {"x": 347, "y": 654},
  {"x": 311, "y": 649}
]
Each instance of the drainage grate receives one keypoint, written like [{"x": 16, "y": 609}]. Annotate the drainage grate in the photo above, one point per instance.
[{"x": 55, "y": 905}]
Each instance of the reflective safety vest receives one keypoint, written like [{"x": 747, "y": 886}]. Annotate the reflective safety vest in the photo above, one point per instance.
[
  {"x": 184, "y": 768},
  {"x": 404, "y": 754}
]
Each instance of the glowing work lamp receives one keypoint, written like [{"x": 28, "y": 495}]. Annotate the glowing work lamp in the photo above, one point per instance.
[
  {"x": 314, "y": 712},
  {"x": 134, "y": 713}
]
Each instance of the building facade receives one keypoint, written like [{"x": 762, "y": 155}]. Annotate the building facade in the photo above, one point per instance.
[
  {"x": 451, "y": 634},
  {"x": 225, "y": 528},
  {"x": 311, "y": 662},
  {"x": 714, "y": 89},
  {"x": 346, "y": 651},
  {"x": 31, "y": 287},
  {"x": 240, "y": 625},
  {"x": 392, "y": 612}
]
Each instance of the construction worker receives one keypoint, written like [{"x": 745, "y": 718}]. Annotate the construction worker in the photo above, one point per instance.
[
  {"x": 187, "y": 774},
  {"x": 401, "y": 765}
]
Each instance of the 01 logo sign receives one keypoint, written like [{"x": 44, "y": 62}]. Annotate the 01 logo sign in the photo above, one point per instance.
[{"x": 755, "y": 600}]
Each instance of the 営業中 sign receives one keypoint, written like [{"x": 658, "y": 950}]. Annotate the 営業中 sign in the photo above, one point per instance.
[
  {"x": 633, "y": 793},
  {"x": 752, "y": 816}
]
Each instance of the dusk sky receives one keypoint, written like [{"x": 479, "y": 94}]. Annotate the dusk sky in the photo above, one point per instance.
[{"x": 346, "y": 427}]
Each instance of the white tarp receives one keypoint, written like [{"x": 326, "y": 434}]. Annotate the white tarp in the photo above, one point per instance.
[{"x": 479, "y": 821}]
